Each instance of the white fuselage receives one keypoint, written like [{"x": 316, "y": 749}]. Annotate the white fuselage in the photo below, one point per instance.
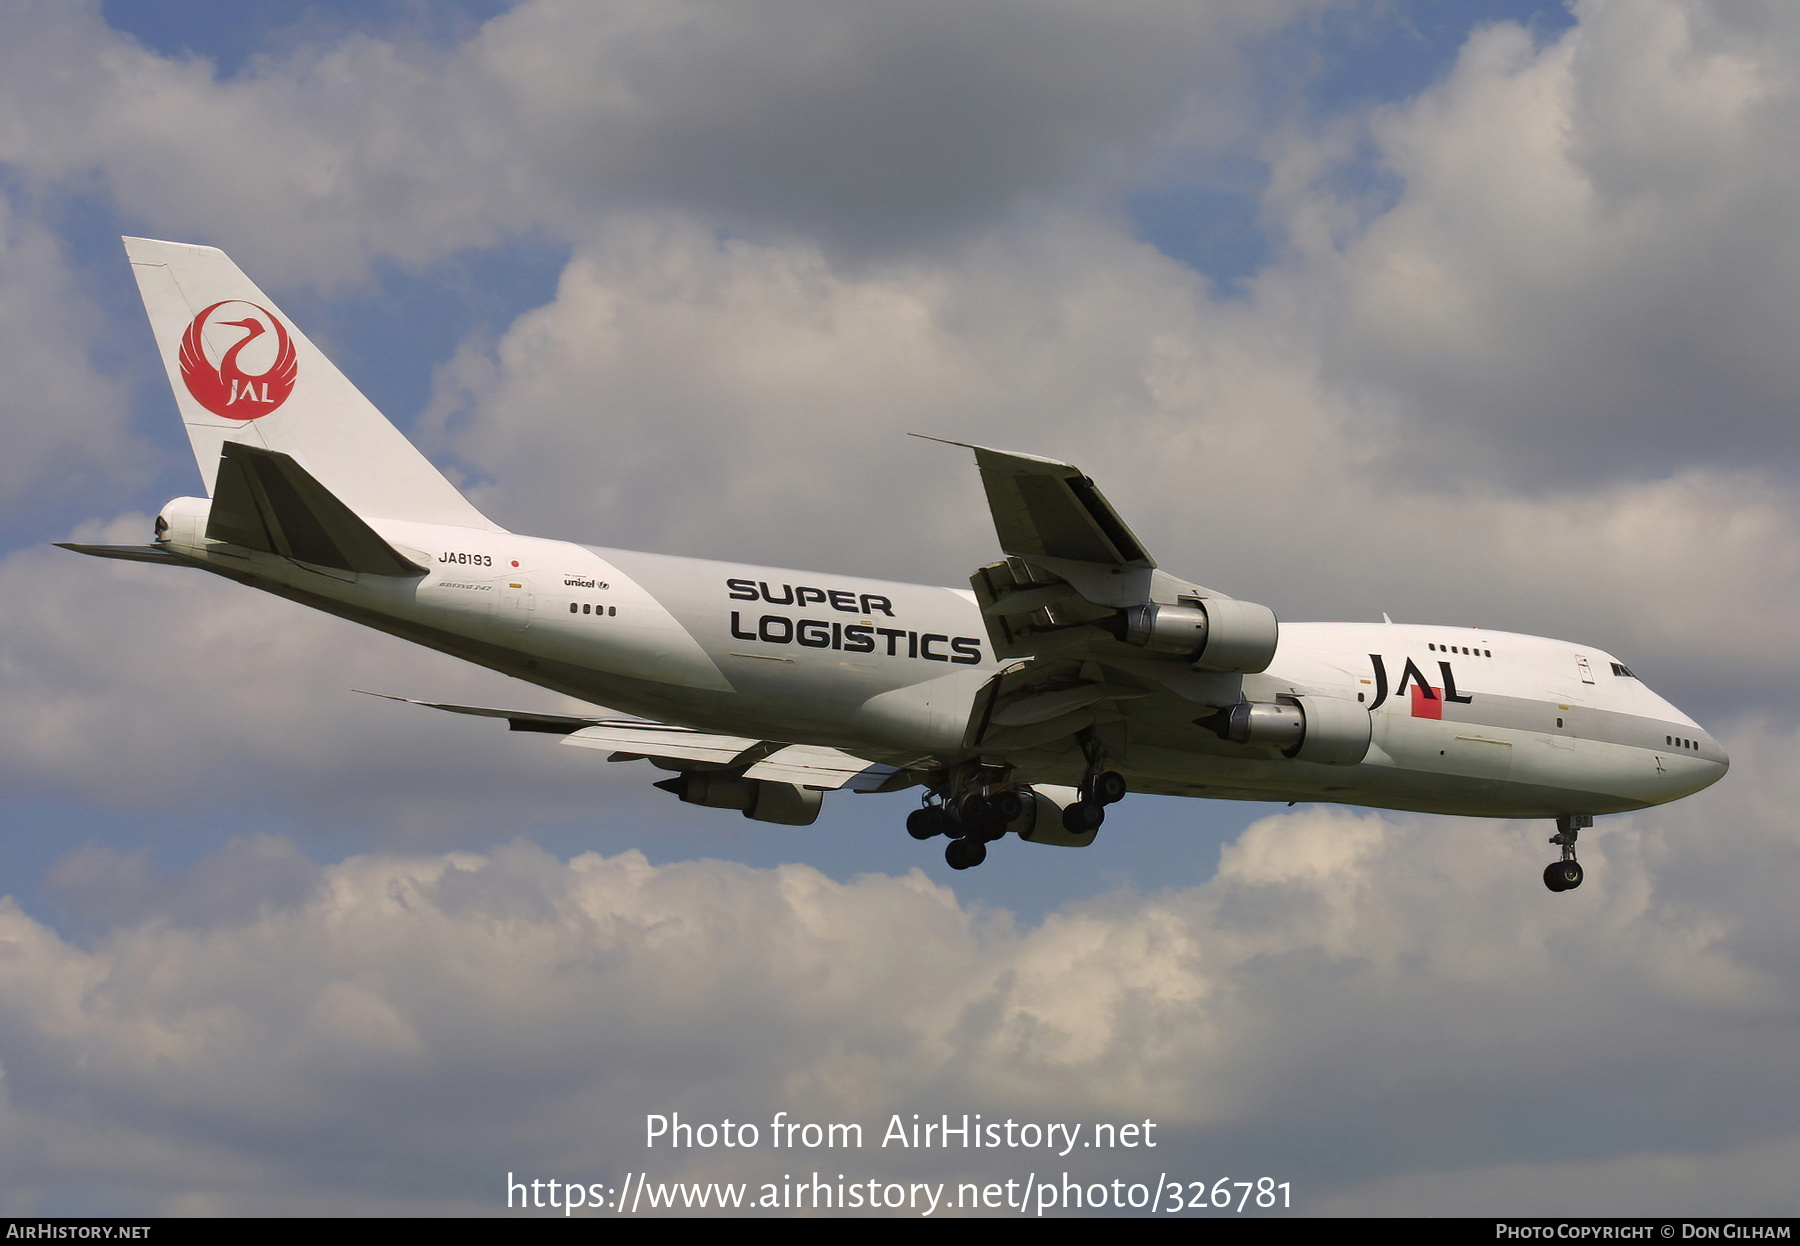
[{"x": 1464, "y": 720}]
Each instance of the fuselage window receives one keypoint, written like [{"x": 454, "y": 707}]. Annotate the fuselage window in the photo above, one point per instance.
[
  {"x": 571, "y": 607},
  {"x": 612, "y": 611}
]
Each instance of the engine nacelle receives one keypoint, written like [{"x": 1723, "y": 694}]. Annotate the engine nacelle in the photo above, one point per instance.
[
  {"x": 1042, "y": 823},
  {"x": 1214, "y": 633},
  {"x": 1327, "y": 730},
  {"x": 761, "y": 799}
]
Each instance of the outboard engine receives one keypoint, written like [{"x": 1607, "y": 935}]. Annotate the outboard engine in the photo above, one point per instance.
[
  {"x": 761, "y": 799},
  {"x": 1214, "y": 633}
]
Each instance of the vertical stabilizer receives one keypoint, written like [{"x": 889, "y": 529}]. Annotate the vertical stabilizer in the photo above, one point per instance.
[{"x": 242, "y": 372}]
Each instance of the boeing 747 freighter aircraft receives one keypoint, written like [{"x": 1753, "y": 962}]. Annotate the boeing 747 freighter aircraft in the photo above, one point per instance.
[{"x": 1075, "y": 670}]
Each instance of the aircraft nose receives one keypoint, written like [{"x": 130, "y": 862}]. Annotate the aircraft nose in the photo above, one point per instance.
[{"x": 1711, "y": 751}]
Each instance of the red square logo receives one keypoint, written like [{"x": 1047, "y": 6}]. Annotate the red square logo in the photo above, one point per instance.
[{"x": 1427, "y": 702}]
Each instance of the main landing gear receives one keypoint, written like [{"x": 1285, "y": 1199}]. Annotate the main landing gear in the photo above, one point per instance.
[
  {"x": 980, "y": 809},
  {"x": 1102, "y": 788},
  {"x": 972, "y": 820},
  {"x": 1565, "y": 875}
]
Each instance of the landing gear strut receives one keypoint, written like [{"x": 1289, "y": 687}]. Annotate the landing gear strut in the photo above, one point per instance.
[
  {"x": 1100, "y": 789},
  {"x": 1565, "y": 875}
]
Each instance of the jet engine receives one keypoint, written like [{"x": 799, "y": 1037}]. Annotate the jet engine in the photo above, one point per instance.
[
  {"x": 1214, "y": 633},
  {"x": 761, "y": 799},
  {"x": 1328, "y": 730},
  {"x": 1042, "y": 821}
]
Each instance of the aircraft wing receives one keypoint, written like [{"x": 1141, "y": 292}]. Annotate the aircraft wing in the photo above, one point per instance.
[
  {"x": 681, "y": 748},
  {"x": 1072, "y": 563},
  {"x": 1105, "y": 638},
  {"x": 1050, "y": 512}
]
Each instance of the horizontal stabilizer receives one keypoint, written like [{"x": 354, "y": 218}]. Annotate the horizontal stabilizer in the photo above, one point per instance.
[
  {"x": 264, "y": 500},
  {"x": 130, "y": 553}
]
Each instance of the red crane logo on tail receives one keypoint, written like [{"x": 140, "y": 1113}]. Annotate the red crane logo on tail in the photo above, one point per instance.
[{"x": 227, "y": 389}]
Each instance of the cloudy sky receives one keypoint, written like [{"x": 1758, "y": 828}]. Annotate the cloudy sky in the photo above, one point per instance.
[{"x": 1478, "y": 314}]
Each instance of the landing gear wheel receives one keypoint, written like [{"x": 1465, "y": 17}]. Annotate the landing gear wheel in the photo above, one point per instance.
[
  {"x": 925, "y": 822},
  {"x": 1109, "y": 788},
  {"x": 1565, "y": 875},
  {"x": 972, "y": 812},
  {"x": 1562, "y": 875},
  {"x": 963, "y": 854},
  {"x": 1083, "y": 816},
  {"x": 1007, "y": 807}
]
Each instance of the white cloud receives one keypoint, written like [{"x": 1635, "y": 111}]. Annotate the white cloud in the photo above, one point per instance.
[
  {"x": 1742, "y": 1182},
  {"x": 745, "y": 398},
  {"x": 466, "y": 1015},
  {"x": 749, "y": 401},
  {"x": 1589, "y": 260},
  {"x": 867, "y": 123},
  {"x": 1543, "y": 388},
  {"x": 149, "y": 688},
  {"x": 64, "y": 425}
]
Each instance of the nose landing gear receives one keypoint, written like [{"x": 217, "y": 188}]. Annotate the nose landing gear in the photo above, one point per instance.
[{"x": 1565, "y": 875}]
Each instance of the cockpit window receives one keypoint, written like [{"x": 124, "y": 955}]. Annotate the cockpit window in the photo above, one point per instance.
[{"x": 1621, "y": 670}]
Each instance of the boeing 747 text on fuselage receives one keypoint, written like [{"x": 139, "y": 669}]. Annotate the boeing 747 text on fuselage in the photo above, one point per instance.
[{"x": 1073, "y": 671}]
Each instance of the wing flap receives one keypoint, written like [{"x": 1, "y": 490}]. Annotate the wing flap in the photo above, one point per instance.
[
  {"x": 812, "y": 765},
  {"x": 663, "y": 743},
  {"x": 683, "y": 748}
]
